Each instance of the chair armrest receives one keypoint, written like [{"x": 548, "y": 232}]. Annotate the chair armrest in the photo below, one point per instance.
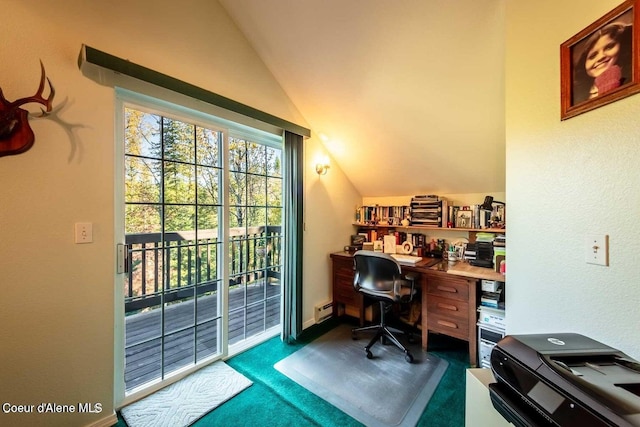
[
  {"x": 411, "y": 276},
  {"x": 408, "y": 277}
]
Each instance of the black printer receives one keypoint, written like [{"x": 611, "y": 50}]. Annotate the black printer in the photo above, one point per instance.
[{"x": 564, "y": 379}]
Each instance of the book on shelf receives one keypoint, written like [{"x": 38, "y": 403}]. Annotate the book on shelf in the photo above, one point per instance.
[
  {"x": 500, "y": 240},
  {"x": 491, "y": 299},
  {"x": 383, "y": 215},
  {"x": 429, "y": 210}
]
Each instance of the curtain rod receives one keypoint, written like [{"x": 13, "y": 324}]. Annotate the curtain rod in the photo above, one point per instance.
[{"x": 89, "y": 55}]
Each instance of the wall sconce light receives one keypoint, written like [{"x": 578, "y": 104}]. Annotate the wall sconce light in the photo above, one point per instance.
[{"x": 323, "y": 166}]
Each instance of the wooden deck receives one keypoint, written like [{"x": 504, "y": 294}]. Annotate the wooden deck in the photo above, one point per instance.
[{"x": 143, "y": 330}]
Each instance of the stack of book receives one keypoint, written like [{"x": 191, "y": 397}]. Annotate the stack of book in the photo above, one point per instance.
[
  {"x": 429, "y": 210},
  {"x": 470, "y": 251},
  {"x": 499, "y": 250},
  {"x": 492, "y": 294}
]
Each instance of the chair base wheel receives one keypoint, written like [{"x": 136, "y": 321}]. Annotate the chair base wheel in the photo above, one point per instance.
[
  {"x": 369, "y": 355},
  {"x": 408, "y": 357}
]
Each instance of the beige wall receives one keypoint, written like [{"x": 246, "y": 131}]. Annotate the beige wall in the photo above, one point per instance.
[
  {"x": 57, "y": 306},
  {"x": 566, "y": 180}
]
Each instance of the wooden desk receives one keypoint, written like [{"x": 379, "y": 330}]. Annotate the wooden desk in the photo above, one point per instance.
[{"x": 449, "y": 296}]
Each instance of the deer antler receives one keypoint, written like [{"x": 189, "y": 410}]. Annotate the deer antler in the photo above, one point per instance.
[
  {"x": 38, "y": 96},
  {"x": 16, "y": 135}
]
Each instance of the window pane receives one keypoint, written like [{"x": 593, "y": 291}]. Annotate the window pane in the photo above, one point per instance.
[
  {"x": 179, "y": 218},
  {"x": 179, "y": 183},
  {"x": 179, "y": 350},
  {"x": 143, "y": 363},
  {"x": 142, "y": 134},
  {"x": 208, "y": 146},
  {"x": 274, "y": 191},
  {"x": 207, "y": 340},
  {"x": 256, "y": 158},
  {"x": 145, "y": 266},
  {"x": 209, "y": 186},
  {"x": 142, "y": 180},
  {"x": 257, "y": 190},
  {"x": 208, "y": 220},
  {"x": 143, "y": 219},
  {"x": 178, "y": 140},
  {"x": 274, "y": 162},
  {"x": 237, "y": 216},
  {"x": 237, "y": 154},
  {"x": 207, "y": 265},
  {"x": 237, "y": 189},
  {"x": 274, "y": 216},
  {"x": 256, "y": 217}
]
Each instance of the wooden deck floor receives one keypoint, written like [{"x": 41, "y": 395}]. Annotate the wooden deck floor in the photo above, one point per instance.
[{"x": 185, "y": 342}]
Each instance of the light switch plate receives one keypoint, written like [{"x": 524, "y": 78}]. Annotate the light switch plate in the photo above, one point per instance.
[
  {"x": 84, "y": 232},
  {"x": 597, "y": 249}
]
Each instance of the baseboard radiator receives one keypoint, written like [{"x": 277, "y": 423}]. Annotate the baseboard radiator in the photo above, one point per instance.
[{"x": 323, "y": 311}]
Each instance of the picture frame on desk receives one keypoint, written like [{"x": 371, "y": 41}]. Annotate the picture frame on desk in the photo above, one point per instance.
[
  {"x": 464, "y": 218},
  {"x": 600, "y": 64}
]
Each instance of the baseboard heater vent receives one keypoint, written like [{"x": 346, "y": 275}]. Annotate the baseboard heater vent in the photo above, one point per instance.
[{"x": 323, "y": 311}]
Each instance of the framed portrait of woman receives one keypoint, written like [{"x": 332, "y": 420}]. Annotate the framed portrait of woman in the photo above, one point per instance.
[{"x": 599, "y": 65}]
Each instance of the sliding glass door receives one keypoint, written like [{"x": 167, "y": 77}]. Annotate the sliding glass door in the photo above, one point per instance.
[{"x": 202, "y": 207}]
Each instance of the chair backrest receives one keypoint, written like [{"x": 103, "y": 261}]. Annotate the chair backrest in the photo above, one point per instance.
[{"x": 375, "y": 271}]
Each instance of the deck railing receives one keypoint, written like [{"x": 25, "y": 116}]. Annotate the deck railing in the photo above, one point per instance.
[{"x": 193, "y": 263}]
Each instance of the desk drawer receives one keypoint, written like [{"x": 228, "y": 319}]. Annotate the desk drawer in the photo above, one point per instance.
[
  {"x": 448, "y": 307},
  {"x": 448, "y": 325},
  {"x": 344, "y": 292},
  {"x": 343, "y": 272},
  {"x": 448, "y": 288}
]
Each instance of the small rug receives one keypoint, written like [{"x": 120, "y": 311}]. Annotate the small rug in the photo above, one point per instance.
[
  {"x": 185, "y": 401},
  {"x": 383, "y": 391}
]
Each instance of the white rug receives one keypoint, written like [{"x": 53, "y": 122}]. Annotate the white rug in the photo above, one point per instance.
[{"x": 185, "y": 401}]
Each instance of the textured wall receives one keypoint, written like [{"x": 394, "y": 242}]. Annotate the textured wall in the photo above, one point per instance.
[{"x": 566, "y": 180}]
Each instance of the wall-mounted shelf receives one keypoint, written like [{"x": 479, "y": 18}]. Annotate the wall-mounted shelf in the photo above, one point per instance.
[{"x": 424, "y": 227}]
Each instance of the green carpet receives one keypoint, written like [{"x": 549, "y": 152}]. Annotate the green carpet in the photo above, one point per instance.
[{"x": 274, "y": 399}]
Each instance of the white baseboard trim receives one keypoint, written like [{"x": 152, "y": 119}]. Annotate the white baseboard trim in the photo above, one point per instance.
[{"x": 105, "y": 422}]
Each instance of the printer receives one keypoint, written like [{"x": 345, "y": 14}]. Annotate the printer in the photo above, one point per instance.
[{"x": 564, "y": 379}]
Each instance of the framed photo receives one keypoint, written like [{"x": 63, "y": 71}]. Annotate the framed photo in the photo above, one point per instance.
[
  {"x": 463, "y": 219},
  {"x": 599, "y": 65}
]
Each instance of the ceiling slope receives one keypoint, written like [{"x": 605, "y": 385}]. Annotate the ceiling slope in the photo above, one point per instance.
[{"x": 409, "y": 93}]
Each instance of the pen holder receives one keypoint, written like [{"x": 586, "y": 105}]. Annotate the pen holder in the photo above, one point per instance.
[{"x": 452, "y": 256}]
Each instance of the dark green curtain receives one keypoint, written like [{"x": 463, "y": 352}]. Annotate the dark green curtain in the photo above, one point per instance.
[{"x": 293, "y": 227}]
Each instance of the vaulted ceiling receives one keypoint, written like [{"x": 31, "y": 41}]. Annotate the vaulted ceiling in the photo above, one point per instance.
[{"x": 409, "y": 93}]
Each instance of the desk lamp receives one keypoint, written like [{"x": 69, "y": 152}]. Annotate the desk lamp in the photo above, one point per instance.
[{"x": 487, "y": 205}]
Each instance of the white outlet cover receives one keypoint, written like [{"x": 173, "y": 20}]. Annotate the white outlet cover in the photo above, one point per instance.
[{"x": 596, "y": 249}]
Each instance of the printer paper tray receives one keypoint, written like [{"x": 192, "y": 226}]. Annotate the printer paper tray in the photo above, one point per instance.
[{"x": 514, "y": 409}]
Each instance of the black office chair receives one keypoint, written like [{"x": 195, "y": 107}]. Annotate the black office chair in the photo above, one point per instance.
[{"x": 378, "y": 276}]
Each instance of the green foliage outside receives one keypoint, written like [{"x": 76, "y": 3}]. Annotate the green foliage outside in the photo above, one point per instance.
[{"x": 174, "y": 174}]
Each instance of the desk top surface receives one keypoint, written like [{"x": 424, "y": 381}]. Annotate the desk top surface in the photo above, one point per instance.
[{"x": 458, "y": 268}]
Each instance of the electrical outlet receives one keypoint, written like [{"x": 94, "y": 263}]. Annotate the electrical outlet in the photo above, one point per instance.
[
  {"x": 597, "y": 249},
  {"x": 84, "y": 232}
]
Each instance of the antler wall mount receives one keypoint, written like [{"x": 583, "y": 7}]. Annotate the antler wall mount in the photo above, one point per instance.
[{"x": 16, "y": 135}]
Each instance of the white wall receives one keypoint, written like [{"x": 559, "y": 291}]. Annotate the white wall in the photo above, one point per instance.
[
  {"x": 330, "y": 205},
  {"x": 566, "y": 180},
  {"x": 57, "y": 306}
]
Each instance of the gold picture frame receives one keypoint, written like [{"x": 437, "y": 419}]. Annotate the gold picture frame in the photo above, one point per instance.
[{"x": 599, "y": 65}]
